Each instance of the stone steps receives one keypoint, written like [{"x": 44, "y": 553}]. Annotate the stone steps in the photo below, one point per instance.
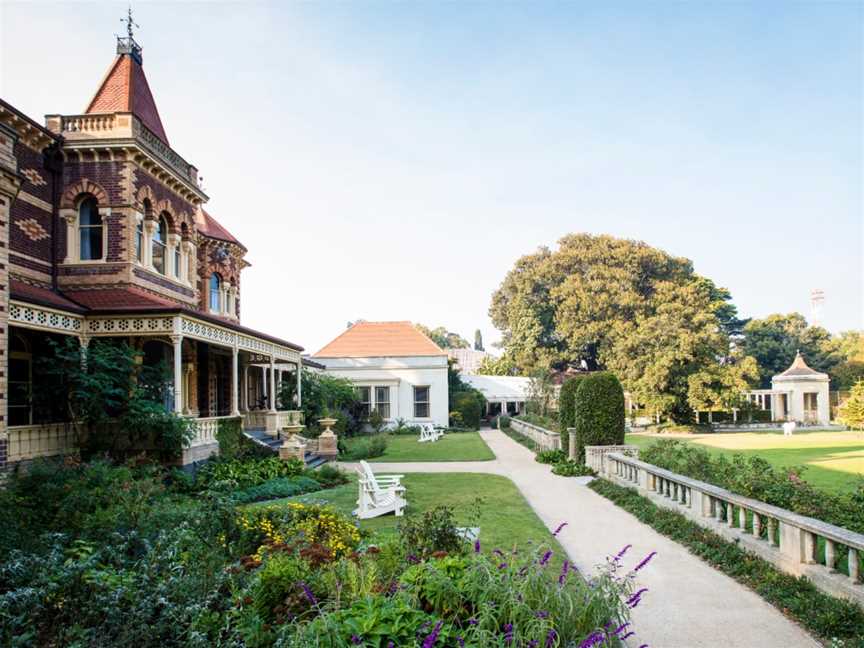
[{"x": 260, "y": 437}]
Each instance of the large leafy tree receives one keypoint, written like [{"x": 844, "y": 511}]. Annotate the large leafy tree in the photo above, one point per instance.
[
  {"x": 775, "y": 339},
  {"x": 444, "y": 338},
  {"x": 600, "y": 302}
]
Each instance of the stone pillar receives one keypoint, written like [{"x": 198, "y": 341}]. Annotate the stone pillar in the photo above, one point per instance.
[
  {"x": 235, "y": 382},
  {"x": 272, "y": 384},
  {"x": 299, "y": 384},
  {"x": 791, "y": 543},
  {"x": 571, "y": 436},
  {"x": 177, "y": 341}
]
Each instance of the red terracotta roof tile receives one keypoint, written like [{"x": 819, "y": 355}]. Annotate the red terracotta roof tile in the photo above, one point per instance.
[
  {"x": 120, "y": 299},
  {"x": 44, "y": 296},
  {"x": 209, "y": 226},
  {"x": 380, "y": 339},
  {"x": 125, "y": 89}
]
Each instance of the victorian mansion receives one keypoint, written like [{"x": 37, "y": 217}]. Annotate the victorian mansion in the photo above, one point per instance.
[{"x": 103, "y": 233}]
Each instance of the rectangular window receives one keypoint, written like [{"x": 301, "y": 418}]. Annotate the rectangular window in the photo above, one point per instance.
[
  {"x": 421, "y": 402},
  {"x": 139, "y": 243},
  {"x": 382, "y": 401},
  {"x": 364, "y": 396},
  {"x": 810, "y": 402},
  {"x": 177, "y": 261}
]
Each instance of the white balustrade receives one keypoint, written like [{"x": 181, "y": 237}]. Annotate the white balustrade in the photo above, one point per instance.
[
  {"x": 46, "y": 440},
  {"x": 794, "y": 543}
]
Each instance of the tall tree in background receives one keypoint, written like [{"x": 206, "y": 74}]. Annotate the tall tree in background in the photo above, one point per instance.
[
  {"x": 605, "y": 303},
  {"x": 444, "y": 338},
  {"x": 478, "y": 341},
  {"x": 775, "y": 339}
]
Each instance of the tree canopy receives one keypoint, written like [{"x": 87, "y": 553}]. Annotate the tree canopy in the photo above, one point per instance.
[
  {"x": 774, "y": 341},
  {"x": 599, "y": 302},
  {"x": 444, "y": 338}
]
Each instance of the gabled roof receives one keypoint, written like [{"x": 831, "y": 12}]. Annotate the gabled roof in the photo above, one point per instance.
[
  {"x": 125, "y": 89},
  {"x": 128, "y": 299},
  {"x": 210, "y": 227},
  {"x": 380, "y": 340},
  {"x": 42, "y": 296},
  {"x": 799, "y": 369}
]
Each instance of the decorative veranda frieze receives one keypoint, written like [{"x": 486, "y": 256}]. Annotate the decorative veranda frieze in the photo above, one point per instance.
[
  {"x": 47, "y": 319},
  {"x": 44, "y": 319}
]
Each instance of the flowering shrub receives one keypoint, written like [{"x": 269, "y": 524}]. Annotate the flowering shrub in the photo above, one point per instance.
[{"x": 295, "y": 525}]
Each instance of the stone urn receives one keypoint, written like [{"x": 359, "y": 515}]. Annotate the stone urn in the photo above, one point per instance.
[
  {"x": 327, "y": 442},
  {"x": 293, "y": 447}
]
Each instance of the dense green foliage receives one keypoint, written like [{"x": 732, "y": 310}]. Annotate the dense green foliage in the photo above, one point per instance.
[
  {"x": 851, "y": 412},
  {"x": 754, "y": 477},
  {"x": 469, "y": 408},
  {"x": 364, "y": 448},
  {"x": 599, "y": 411},
  {"x": 567, "y": 408},
  {"x": 116, "y": 402},
  {"x": 550, "y": 456},
  {"x": 243, "y": 473},
  {"x": 774, "y": 340},
  {"x": 546, "y": 422},
  {"x": 276, "y": 488},
  {"x": 444, "y": 338},
  {"x": 324, "y": 395},
  {"x": 570, "y": 468},
  {"x": 111, "y": 556},
  {"x": 825, "y": 616},
  {"x": 607, "y": 303}
]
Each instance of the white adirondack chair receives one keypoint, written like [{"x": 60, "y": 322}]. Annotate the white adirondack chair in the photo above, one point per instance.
[
  {"x": 379, "y": 494},
  {"x": 427, "y": 435}
]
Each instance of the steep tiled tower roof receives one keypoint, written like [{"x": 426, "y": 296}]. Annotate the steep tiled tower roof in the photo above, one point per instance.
[{"x": 125, "y": 89}]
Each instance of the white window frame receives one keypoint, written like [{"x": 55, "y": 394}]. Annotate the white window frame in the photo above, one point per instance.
[
  {"x": 427, "y": 402},
  {"x": 73, "y": 235},
  {"x": 359, "y": 389},
  {"x": 221, "y": 294},
  {"x": 388, "y": 402}
]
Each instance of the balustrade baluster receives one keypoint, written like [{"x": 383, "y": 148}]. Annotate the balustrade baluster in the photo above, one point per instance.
[
  {"x": 830, "y": 555},
  {"x": 772, "y": 532},
  {"x": 757, "y": 526},
  {"x": 809, "y": 547},
  {"x": 854, "y": 567},
  {"x": 742, "y": 519},
  {"x": 730, "y": 515}
]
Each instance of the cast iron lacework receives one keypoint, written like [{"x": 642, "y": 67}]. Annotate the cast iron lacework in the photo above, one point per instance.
[
  {"x": 34, "y": 317},
  {"x": 131, "y": 325}
]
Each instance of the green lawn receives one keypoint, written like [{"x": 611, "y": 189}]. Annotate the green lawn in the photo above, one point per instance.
[
  {"x": 834, "y": 460},
  {"x": 453, "y": 446},
  {"x": 506, "y": 520}
]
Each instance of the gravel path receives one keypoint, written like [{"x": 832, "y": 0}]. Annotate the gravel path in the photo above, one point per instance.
[{"x": 689, "y": 604}]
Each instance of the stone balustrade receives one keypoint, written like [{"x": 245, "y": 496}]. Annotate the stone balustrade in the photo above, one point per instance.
[
  {"x": 27, "y": 442},
  {"x": 796, "y": 544},
  {"x": 595, "y": 456},
  {"x": 255, "y": 420},
  {"x": 543, "y": 438}
]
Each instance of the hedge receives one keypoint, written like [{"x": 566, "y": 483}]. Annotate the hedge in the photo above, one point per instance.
[
  {"x": 567, "y": 409},
  {"x": 599, "y": 411}
]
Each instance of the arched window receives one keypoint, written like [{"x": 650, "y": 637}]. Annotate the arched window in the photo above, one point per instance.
[
  {"x": 139, "y": 232},
  {"x": 215, "y": 292},
  {"x": 160, "y": 236},
  {"x": 90, "y": 230}
]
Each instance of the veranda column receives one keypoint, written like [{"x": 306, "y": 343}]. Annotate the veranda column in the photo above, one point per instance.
[
  {"x": 299, "y": 384},
  {"x": 272, "y": 383},
  {"x": 235, "y": 382},
  {"x": 177, "y": 340}
]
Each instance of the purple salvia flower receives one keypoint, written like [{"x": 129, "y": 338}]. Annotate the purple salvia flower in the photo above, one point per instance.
[
  {"x": 390, "y": 644},
  {"x": 356, "y": 640},
  {"x": 564, "y": 568},
  {"x": 645, "y": 561},
  {"x": 541, "y": 614},
  {"x": 621, "y": 553},
  {"x": 498, "y": 553},
  {"x": 477, "y": 546},
  {"x": 559, "y": 529},
  {"x": 629, "y": 634},
  {"x": 461, "y": 641},
  {"x": 550, "y": 638},
  {"x": 413, "y": 559},
  {"x": 533, "y": 643},
  {"x": 308, "y": 593},
  {"x": 634, "y": 600},
  {"x": 472, "y": 621},
  {"x": 432, "y": 637},
  {"x": 508, "y": 633},
  {"x": 546, "y": 557},
  {"x": 644, "y": 646},
  {"x": 502, "y": 566},
  {"x": 620, "y": 628},
  {"x": 594, "y": 639}
]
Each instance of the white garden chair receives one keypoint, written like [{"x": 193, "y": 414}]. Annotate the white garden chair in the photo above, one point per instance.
[
  {"x": 379, "y": 494},
  {"x": 428, "y": 434}
]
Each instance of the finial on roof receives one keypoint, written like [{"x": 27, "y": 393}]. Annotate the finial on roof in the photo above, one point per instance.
[{"x": 128, "y": 45}]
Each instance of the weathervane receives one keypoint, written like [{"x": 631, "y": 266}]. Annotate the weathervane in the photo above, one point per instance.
[{"x": 129, "y": 22}]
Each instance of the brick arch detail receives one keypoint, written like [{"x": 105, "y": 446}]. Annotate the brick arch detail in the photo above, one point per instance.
[
  {"x": 145, "y": 192},
  {"x": 83, "y": 186}
]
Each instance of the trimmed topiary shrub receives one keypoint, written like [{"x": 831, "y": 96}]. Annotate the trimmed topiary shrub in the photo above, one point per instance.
[
  {"x": 468, "y": 406},
  {"x": 599, "y": 411},
  {"x": 567, "y": 409}
]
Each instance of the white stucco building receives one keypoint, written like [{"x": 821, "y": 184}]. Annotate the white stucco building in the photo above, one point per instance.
[
  {"x": 468, "y": 360},
  {"x": 396, "y": 369},
  {"x": 507, "y": 394},
  {"x": 798, "y": 394}
]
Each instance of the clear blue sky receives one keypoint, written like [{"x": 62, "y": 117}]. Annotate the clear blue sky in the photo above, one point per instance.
[{"x": 391, "y": 161}]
